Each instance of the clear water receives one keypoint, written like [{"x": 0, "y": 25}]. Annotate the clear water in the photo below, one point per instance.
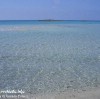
[{"x": 49, "y": 56}]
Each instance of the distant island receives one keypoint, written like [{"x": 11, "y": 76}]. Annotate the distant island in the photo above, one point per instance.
[
  {"x": 53, "y": 20},
  {"x": 50, "y": 20}
]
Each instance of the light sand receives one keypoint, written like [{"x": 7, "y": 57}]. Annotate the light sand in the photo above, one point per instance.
[{"x": 93, "y": 93}]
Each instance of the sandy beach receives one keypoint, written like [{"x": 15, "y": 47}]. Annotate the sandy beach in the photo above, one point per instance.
[{"x": 93, "y": 93}]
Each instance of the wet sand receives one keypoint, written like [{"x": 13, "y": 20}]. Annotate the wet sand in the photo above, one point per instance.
[{"x": 93, "y": 93}]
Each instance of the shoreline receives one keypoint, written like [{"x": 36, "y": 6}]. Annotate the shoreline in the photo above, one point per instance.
[{"x": 92, "y": 93}]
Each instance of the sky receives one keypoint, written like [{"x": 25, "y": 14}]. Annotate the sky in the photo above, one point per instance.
[{"x": 50, "y": 9}]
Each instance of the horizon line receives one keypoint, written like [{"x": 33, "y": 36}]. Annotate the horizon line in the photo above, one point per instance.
[{"x": 44, "y": 20}]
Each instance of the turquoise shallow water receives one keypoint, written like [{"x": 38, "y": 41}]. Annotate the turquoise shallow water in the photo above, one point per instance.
[{"x": 49, "y": 56}]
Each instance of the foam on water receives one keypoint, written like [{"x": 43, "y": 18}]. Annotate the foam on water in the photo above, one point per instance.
[{"x": 49, "y": 57}]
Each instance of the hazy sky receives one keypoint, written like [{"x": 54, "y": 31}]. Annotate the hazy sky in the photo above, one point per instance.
[{"x": 50, "y": 9}]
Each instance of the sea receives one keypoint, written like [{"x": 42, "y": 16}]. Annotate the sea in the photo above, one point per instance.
[{"x": 49, "y": 56}]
